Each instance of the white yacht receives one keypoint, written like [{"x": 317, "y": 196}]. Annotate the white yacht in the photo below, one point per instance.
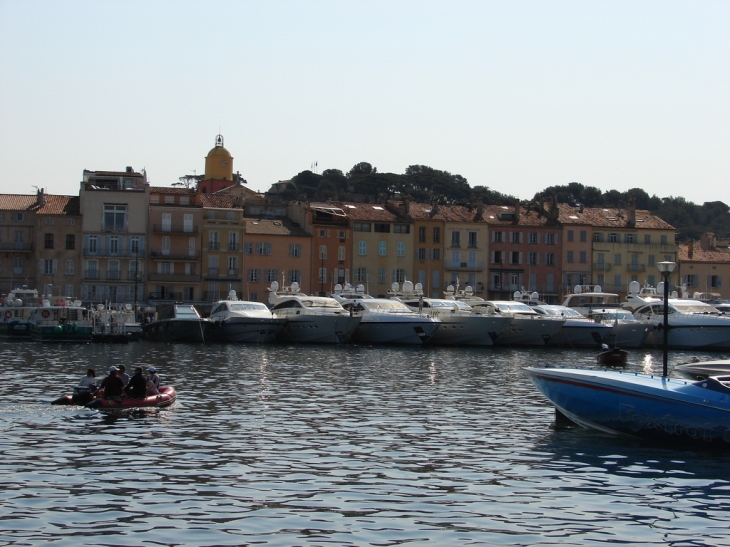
[
  {"x": 578, "y": 331},
  {"x": 626, "y": 330},
  {"x": 528, "y": 328},
  {"x": 586, "y": 299},
  {"x": 692, "y": 325},
  {"x": 639, "y": 296},
  {"x": 15, "y": 311},
  {"x": 235, "y": 320},
  {"x": 386, "y": 321},
  {"x": 177, "y": 323},
  {"x": 116, "y": 320},
  {"x": 311, "y": 319},
  {"x": 460, "y": 324}
]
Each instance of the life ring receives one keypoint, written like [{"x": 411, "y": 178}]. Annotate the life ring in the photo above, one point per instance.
[
  {"x": 46, "y": 314},
  {"x": 59, "y": 302},
  {"x": 8, "y": 314}
]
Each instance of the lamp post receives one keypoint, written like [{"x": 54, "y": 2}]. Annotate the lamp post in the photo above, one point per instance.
[{"x": 665, "y": 268}]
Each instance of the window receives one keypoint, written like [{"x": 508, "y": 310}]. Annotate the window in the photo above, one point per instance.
[
  {"x": 322, "y": 233},
  {"x": 400, "y": 249},
  {"x": 185, "y": 200},
  {"x": 399, "y": 275},
  {"x": 421, "y": 253},
  {"x": 341, "y": 253},
  {"x": 617, "y": 259},
  {"x": 295, "y": 249},
  {"x": 569, "y": 257},
  {"x": 515, "y": 257},
  {"x": 49, "y": 221},
  {"x": 381, "y": 227},
  {"x": 534, "y": 258},
  {"x": 472, "y": 240},
  {"x": 342, "y": 235},
  {"x": 69, "y": 267},
  {"x": 714, "y": 281},
  {"x": 134, "y": 245},
  {"x": 422, "y": 235},
  {"x": 19, "y": 217},
  {"x": 436, "y": 254},
  {"x": 498, "y": 237},
  {"x": 49, "y": 267},
  {"x": 92, "y": 269},
  {"x": 647, "y": 239},
  {"x": 651, "y": 260},
  {"x": 583, "y": 257},
  {"x": 598, "y": 237},
  {"x": 232, "y": 265},
  {"x": 362, "y": 248},
  {"x": 167, "y": 221},
  {"x": 114, "y": 244},
  {"x": 497, "y": 257},
  {"x": 617, "y": 281},
  {"x": 17, "y": 265},
  {"x": 187, "y": 223},
  {"x": 213, "y": 243},
  {"x": 550, "y": 239},
  {"x": 323, "y": 252},
  {"x": 212, "y": 264},
  {"x": 272, "y": 275},
  {"x": 455, "y": 259},
  {"x": 516, "y": 237},
  {"x": 189, "y": 268},
  {"x": 550, "y": 259},
  {"x": 295, "y": 276},
  {"x": 437, "y": 235},
  {"x": 691, "y": 280},
  {"x": 263, "y": 248},
  {"x": 48, "y": 241},
  {"x": 613, "y": 238},
  {"x": 254, "y": 275},
  {"x": 322, "y": 278},
  {"x": 70, "y": 221},
  {"x": 456, "y": 239},
  {"x": 569, "y": 235},
  {"x": 70, "y": 241},
  {"x": 663, "y": 239},
  {"x": 381, "y": 275},
  {"x": 361, "y": 275},
  {"x": 401, "y": 228},
  {"x": 191, "y": 246},
  {"x": 115, "y": 218},
  {"x": 165, "y": 245},
  {"x": 69, "y": 291},
  {"x": 233, "y": 241},
  {"x": 361, "y": 227},
  {"x": 534, "y": 238},
  {"x": 629, "y": 238},
  {"x": 113, "y": 272},
  {"x": 230, "y": 215},
  {"x": 248, "y": 248},
  {"x": 382, "y": 248}
]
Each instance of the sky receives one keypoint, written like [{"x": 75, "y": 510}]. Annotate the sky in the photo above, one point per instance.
[{"x": 516, "y": 96}]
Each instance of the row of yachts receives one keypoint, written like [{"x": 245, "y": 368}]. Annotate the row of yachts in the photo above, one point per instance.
[{"x": 588, "y": 318}]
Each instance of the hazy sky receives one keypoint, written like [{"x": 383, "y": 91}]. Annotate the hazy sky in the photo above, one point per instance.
[{"x": 513, "y": 95}]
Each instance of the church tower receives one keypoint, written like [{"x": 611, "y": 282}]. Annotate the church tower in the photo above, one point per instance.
[{"x": 218, "y": 169}]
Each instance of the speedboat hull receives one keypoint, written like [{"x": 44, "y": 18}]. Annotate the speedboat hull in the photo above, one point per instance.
[
  {"x": 703, "y": 369},
  {"x": 579, "y": 334},
  {"x": 648, "y": 407},
  {"x": 177, "y": 330},
  {"x": 319, "y": 329},
  {"x": 526, "y": 331},
  {"x": 246, "y": 330},
  {"x": 630, "y": 334},
  {"x": 715, "y": 337},
  {"x": 401, "y": 333},
  {"x": 469, "y": 330}
]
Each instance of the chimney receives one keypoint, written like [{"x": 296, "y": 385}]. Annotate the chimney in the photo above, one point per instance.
[
  {"x": 480, "y": 211},
  {"x": 691, "y": 249},
  {"x": 631, "y": 213},
  {"x": 41, "y": 197},
  {"x": 707, "y": 241},
  {"x": 580, "y": 207},
  {"x": 516, "y": 216},
  {"x": 434, "y": 207},
  {"x": 406, "y": 205}
]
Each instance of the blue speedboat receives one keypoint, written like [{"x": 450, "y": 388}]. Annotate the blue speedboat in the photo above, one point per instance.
[{"x": 648, "y": 407}]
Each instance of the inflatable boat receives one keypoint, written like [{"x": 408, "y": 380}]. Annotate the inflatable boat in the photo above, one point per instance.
[{"x": 166, "y": 397}]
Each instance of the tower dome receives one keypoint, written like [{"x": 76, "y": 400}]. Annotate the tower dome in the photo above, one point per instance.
[{"x": 218, "y": 162}]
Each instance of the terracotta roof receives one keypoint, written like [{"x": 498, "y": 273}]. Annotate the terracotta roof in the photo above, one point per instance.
[
  {"x": 447, "y": 213},
  {"x": 373, "y": 212},
  {"x": 218, "y": 201},
  {"x": 15, "y": 202},
  {"x": 618, "y": 218},
  {"x": 60, "y": 205},
  {"x": 171, "y": 190},
  {"x": 528, "y": 216},
  {"x": 279, "y": 227},
  {"x": 717, "y": 254}
]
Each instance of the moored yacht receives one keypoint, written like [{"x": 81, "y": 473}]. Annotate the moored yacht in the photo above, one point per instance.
[
  {"x": 577, "y": 331},
  {"x": 460, "y": 324},
  {"x": 387, "y": 321},
  {"x": 528, "y": 328},
  {"x": 626, "y": 330},
  {"x": 63, "y": 321},
  {"x": 586, "y": 299},
  {"x": 15, "y": 311},
  {"x": 311, "y": 319},
  {"x": 177, "y": 323},
  {"x": 639, "y": 296},
  {"x": 236, "y": 320}
]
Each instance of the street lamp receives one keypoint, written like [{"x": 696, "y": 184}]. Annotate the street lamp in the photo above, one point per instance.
[{"x": 666, "y": 268}]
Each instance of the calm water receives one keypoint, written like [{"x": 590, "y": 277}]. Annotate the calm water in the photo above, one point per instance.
[{"x": 284, "y": 445}]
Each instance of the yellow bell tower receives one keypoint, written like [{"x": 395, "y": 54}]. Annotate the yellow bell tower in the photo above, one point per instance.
[{"x": 219, "y": 162}]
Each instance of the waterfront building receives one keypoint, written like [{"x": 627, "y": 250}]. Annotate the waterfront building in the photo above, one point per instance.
[
  {"x": 114, "y": 209},
  {"x": 577, "y": 236},
  {"x": 222, "y": 234},
  {"x": 173, "y": 263},
  {"x": 330, "y": 261},
  {"x": 17, "y": 236},
  {"x": 525, "y": 250},
  {"x": 466, "y": 248},
  {"x": 627, "y": 244},
  {"x": 429, "y": 229},
  {"x": 382, "y": 245},
  {"x": 704, "y": 267},
  {"x": 58, "y": 240},
  {"x": 275, "y": 249}
]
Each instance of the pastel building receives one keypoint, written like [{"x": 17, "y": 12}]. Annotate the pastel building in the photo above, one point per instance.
[
  {"x": 466, "y": 248},
  {"x": 577, "y": 237},
  {"x": 222, "y": 253},
  {"x": 704, "y": 267},
  {"x": 429, "y": 227}
]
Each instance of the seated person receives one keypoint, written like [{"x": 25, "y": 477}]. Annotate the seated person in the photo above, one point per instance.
[
  {"x": 153, "y": 381},
  {"x": 137, "y": 386},
  {"x": 123, "y": 374},
  {"x": 112, "y": 385}
]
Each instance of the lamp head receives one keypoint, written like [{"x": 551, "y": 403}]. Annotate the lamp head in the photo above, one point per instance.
[{"x": 666, "y": 267}]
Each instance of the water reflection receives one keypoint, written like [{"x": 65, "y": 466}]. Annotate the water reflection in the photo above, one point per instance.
[{"x": 348, "y": 446}]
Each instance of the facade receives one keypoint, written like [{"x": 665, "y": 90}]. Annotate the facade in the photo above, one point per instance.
[
  {"x": 17, "y": 241},
  {"x": 466, "y": 248},
  {"x": 114, "y": 206},
  {"x": 174, "y": 241},
  {"x": 525, "y": 250},
  {"x": 429, "y": 227},
  {"x": 704, "y": 267},
  {"x": 577, "y": 235},
  {"x": 58, "y": 240},
  {"x": 222, "y": 234},
  {"x": 275, "y": 250}
]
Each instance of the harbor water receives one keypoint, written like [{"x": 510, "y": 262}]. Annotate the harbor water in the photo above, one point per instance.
[{"x": 292, "y": 445}]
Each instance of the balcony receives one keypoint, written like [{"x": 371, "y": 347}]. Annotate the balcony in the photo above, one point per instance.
[
  {"x": 113, "y": 275},
  {"x": 92, "y": 274},
  {"x": 165, "y": 296},
  {"x": 175, "y": 228},
  {"x": 601, "y": 267},
  {"x": 175, "y": 255},
  {"x": 213, "y": 271},
  {"x": 233, "y": 272},
  {"x": 19, "y": 247},
  {"x": 465, "y": 266},
  {"x": 635, "y": 267},
  {"x": 173, "y": 277},
  {"x": 114, "y": 253},
  {"x": 214, "y": 246},
  {"x": 233, "y": 246}
]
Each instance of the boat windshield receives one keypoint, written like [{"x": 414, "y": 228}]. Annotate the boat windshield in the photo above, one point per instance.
[
  {"x": 186, "y": 311},
  {"x": 614, "y": 314},
  {"x": 386, "y": 305},
  {"x": 321, "y": 302},
  {"x": 514, "y": 307},
  {"x": 693, "y": 307},
  {"x": 247, "y": 306}
]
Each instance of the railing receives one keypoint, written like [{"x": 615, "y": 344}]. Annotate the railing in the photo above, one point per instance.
[
  {"x": 113, "y": 275},
  {"x": 175, "y": 228},
  {"x": 233, "y": 246},
  {"x": 601, "y": 267},
  {"x": 120, "y": 253},
  {"x": 173, "y": 277},
  {"x": 174, "y": 255},
  {"x": 232, "y": 272},
  {"x": 213, "y": 271},
  {"x": 213, "y": 246},
  {"x": 16, "y": 246},
  {"x": 92, "y": 274},
  {"x": 635, "y": 267},
  {"x": 465, "y": 266},
  {"x": 165, "y": 296}
]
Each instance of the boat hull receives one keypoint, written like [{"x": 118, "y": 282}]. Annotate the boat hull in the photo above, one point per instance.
[
  {"x": 246, "y": 330},
  {"x": 61, "y": 333},
  {"x": 710, "y": 337},
  {"x": 15, "y": 329},
  {"x": 660, "y": 409},
  {"x": 472, "y": 330},
  {"x": 166, "y": 397},
  {"x": 581, "y": 335},
  {"x": 177, "y": 330},
  {"x": 703, "y": 369},
  {"x": 529, "y": 332},
  {"x": 319, "y": 329},
  {"x": 400, "y": 333},
  {"x": 628, "y": 335}
]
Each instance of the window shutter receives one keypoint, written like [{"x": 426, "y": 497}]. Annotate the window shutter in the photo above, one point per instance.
[
  {"x": 55, "y": 266},
  {"x": 520, "y": 258},
  {"x": 521, "y": 236},
  {"x": 538, "y": 237}
]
